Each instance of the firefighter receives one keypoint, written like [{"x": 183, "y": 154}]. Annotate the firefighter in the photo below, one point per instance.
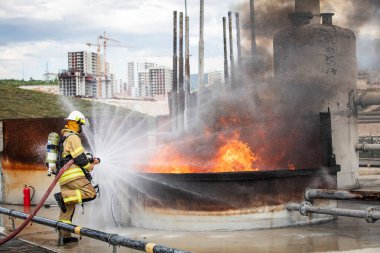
[{"x": 75, "y": 187}]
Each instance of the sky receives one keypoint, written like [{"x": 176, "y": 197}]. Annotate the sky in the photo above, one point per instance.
[{"x": 36, "y": 34}]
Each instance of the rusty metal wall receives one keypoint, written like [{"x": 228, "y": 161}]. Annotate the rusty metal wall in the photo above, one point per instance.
[
  {"x": 1, "y": 137},
  {"x": 23, "y": 157},
  {"x": 1, "y": 158}
]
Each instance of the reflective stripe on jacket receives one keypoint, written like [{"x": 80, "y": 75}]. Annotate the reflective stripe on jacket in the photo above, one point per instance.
[{"x": 73, "y": 146}]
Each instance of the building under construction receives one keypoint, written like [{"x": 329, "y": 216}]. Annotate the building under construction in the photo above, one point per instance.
[{"x": 81, "y": 78}]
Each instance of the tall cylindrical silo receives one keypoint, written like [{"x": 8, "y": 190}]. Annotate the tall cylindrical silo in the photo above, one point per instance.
[{"x": 316, "y": 64}]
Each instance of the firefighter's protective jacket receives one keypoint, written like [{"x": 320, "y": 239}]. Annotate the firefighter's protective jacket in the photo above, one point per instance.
[{"x": 73, "y": 146}]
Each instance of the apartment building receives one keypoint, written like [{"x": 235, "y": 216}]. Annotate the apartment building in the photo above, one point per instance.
[
  {"x": 136, "y": 81},
  {"x": 160, "y": 81},
  {"x": 83, "y": 62},
  {"x": 81, "y": 78}
]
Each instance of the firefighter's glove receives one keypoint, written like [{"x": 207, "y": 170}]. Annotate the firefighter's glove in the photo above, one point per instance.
[{"x": 96, "y": 160}]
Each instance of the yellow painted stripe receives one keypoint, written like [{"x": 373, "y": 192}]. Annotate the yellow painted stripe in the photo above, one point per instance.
[
  {"x": 70, "y": 171},
  {"x": 87, "y": 165},
  {"x": 66, "y": 221},
  {"x": 77, "y": 152},
  {"x": 77, "y": 230},
  {"x": 79, "y": 195},
  {"x": 69, "y": 199},
  {"x": 71, "y": 176},
  {"x": 149, "y": 247}
]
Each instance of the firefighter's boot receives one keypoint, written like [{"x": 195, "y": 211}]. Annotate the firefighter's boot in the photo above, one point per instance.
[{"x": 70, "y": 240}]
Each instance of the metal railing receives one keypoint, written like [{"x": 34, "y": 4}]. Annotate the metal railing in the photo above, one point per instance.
[{"x": 112, "y": 239}]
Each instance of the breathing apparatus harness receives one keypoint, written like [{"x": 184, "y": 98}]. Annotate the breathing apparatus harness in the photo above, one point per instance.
[{"x": 61, "y": 161}]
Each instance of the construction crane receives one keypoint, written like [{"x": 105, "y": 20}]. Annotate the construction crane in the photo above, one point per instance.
[
  {"x": 98, "y": 45},
  {"x": 98, "y": 67},
  {"x": 105, "y": 39}
]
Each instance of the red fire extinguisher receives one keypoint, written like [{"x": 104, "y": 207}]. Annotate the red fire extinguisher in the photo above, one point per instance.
[{"x": 27, "y": 197}]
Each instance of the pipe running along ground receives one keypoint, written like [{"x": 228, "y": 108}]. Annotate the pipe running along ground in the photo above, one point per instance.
[
  {"x": 305, "y": 208},
  {"x": 311, "y": 194},
  {"x": 113, "y": 239},
  {"x": 38, "y": 207}
]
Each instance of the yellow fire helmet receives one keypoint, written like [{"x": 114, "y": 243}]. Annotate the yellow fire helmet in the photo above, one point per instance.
[{"x": 77, "y": 116}]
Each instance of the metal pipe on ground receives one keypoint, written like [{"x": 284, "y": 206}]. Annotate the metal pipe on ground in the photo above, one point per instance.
[
  {"x": 375, "y": 113},
  {"x": 369, "y": 162},
  {"x": 113, "y": 239},
  {"x": 368, "y": 121},
  {"x": 360, "y": 117},
  {"x": 311, "y": 194},
  {"x": 305, "y": 208},
  {"x": 366, "y": 147},
  {"x": 365, "y": 99}
]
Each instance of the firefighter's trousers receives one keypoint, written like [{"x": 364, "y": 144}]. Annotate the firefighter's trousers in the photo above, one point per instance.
[{"x": 75, "y": 192}]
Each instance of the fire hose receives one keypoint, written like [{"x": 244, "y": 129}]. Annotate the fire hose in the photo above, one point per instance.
[{"x": 38, "y": 207}]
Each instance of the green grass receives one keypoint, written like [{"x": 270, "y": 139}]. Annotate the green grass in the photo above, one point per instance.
[{"x": 16, "y": 103}]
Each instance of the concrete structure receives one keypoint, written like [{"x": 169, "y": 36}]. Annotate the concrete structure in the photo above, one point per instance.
[
  {"x": 134, "y": 79},
  {"x": 317, "y": 63},
  {"x": 83, "y": 62},
  {"x": 119, "y": 86},
  {"x": 143, "y": 84},
  {"x": 82, "y": 79},
  {"x": 160, "y": 80},
  {"x": 73, "y": 83}
]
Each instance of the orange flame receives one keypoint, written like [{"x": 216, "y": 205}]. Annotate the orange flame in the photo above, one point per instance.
[{"x": 231, "y": 155}]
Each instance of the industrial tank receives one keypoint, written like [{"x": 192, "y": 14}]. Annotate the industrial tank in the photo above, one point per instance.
[{"x": 315, "y": 65}]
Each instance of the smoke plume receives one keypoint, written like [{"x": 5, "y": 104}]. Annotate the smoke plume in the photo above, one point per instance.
[{"x": 362, "y": 17}]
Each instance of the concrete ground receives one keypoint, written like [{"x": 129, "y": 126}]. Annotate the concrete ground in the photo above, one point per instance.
[
  {"x": 18, "y": 246},
  {"x": 341, "y": 235}
]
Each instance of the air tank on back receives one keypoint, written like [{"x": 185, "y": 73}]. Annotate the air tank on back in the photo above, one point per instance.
[{"x": 315, "y": 63}]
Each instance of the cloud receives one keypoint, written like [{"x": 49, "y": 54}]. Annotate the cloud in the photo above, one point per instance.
[
  {"x": 25, "y": 57},
  {"x": 34, "y": 32}
]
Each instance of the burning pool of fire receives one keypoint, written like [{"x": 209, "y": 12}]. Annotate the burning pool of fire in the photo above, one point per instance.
[
  {"x": 231, "y": 154},
  {"x": 218, "y": 180}
]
